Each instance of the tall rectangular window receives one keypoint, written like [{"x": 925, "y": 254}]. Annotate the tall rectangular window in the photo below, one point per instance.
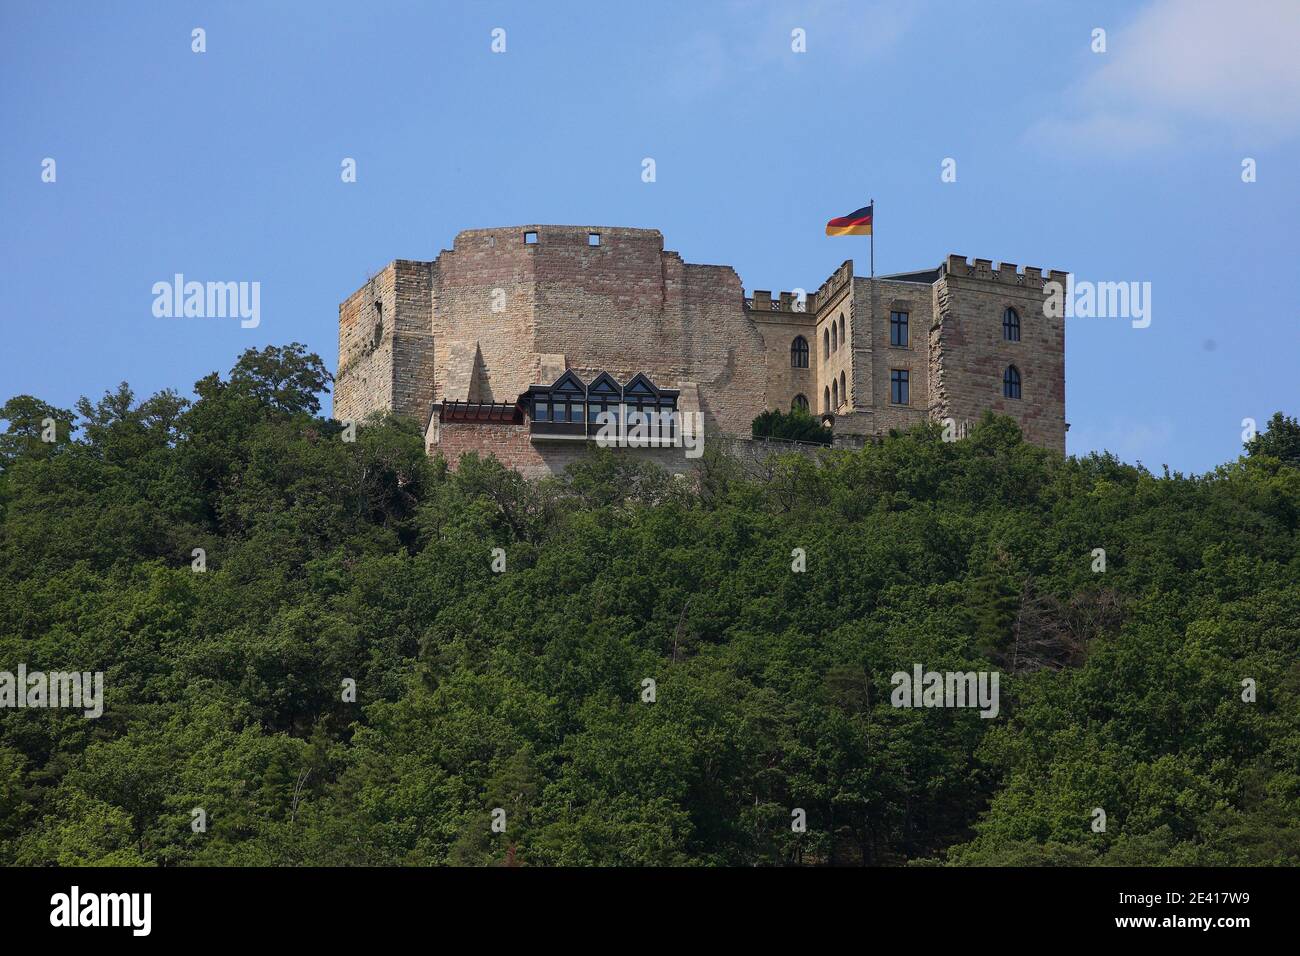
[
  {"x": 898, "y": 390},
  {"x": 898, "y": 329}
]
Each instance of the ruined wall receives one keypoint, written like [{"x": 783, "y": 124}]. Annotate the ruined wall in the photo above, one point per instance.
[
  {"x": 364, "y": 380},
  {"x": 483, "y": 297},
  {"x": 628, "y": 306},
  {"x": 502, "y": 308},
  {"x": 386, "y": 353},
  {"x": 413, "y": 348}
]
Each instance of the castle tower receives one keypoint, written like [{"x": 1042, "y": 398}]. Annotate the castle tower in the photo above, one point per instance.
[
  {"x": 386, "y": 347},
  {"x": 989, "y": 322}
]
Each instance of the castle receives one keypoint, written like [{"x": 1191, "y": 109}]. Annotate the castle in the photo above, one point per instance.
[{"x": 511, "y": 342}]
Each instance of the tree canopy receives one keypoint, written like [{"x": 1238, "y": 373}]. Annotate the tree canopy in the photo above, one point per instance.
[{"x": 345, "y": 652}]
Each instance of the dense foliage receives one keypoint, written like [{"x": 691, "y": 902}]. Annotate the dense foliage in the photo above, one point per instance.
[
  {"x": 330, "y": 560},
  {"x": 794, "y": 425}
]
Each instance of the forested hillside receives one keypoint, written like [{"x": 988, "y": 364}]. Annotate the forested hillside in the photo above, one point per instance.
[{"x": 328, "y": 561}]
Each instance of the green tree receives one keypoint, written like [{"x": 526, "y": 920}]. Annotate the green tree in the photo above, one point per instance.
[
  {"x": 1280, "y": 439},
  {"x": 794, "y": 425}
]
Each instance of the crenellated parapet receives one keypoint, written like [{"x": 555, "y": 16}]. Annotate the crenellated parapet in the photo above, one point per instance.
[
  {"x": 785, "y": 302},
  {"x": 762, "y": 300},
  {"x": 1006, "y": 272},
  {"x": 837, "y": 282}
]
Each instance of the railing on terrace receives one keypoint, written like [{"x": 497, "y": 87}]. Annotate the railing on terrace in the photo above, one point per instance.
[{"x": 456, "y": 410}]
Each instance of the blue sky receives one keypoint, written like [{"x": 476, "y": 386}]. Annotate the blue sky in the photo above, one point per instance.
[{"x": 1117, "y": 166}]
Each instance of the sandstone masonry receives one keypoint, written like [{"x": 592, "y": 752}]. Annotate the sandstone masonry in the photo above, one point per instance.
[{"x": 457, "y": 343}]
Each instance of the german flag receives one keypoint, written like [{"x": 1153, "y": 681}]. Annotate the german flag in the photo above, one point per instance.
[{"x": 856, "y": 223}]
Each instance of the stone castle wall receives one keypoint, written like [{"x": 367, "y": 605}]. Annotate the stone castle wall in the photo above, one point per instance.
[
  {"x": 364, "y": 378},
  {"x": 509, "y": 308},
  {"x": 969, "y": 353}
]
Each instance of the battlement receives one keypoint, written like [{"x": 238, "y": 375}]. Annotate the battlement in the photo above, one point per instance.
[
  {"x": 838, "y": 279},
  {"x": 1031, "y": 277},
  {"x": 983, "y": 269},
  {"x": 539, "y": 235},
  {"x": 785, "y": 302}
]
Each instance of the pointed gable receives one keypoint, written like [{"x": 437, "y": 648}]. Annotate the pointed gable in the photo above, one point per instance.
[
  {"x": 641, "y": 387},
  {"x": 605, "y": 387},
  {"x": 569, "y": 383}
]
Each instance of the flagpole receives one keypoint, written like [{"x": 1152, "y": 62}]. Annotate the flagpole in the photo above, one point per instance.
[{"x": 873, "y": 261}]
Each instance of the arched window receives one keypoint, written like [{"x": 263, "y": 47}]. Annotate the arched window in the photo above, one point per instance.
[
  {"x": 1011, "y": 325},
  {"x": 826, "y": 401},
  {"x": 844, "y": 337},
  {"x": 835, "y": 337},
  {"x": 826, "y": 344},
  {"x": 800, "y": 403},
  {"x": 835, "y": 394},
  {"x": 844, "y": 390},
  {"x": 799, "y": 352},
  {"x": 1011, "y": 382}
]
